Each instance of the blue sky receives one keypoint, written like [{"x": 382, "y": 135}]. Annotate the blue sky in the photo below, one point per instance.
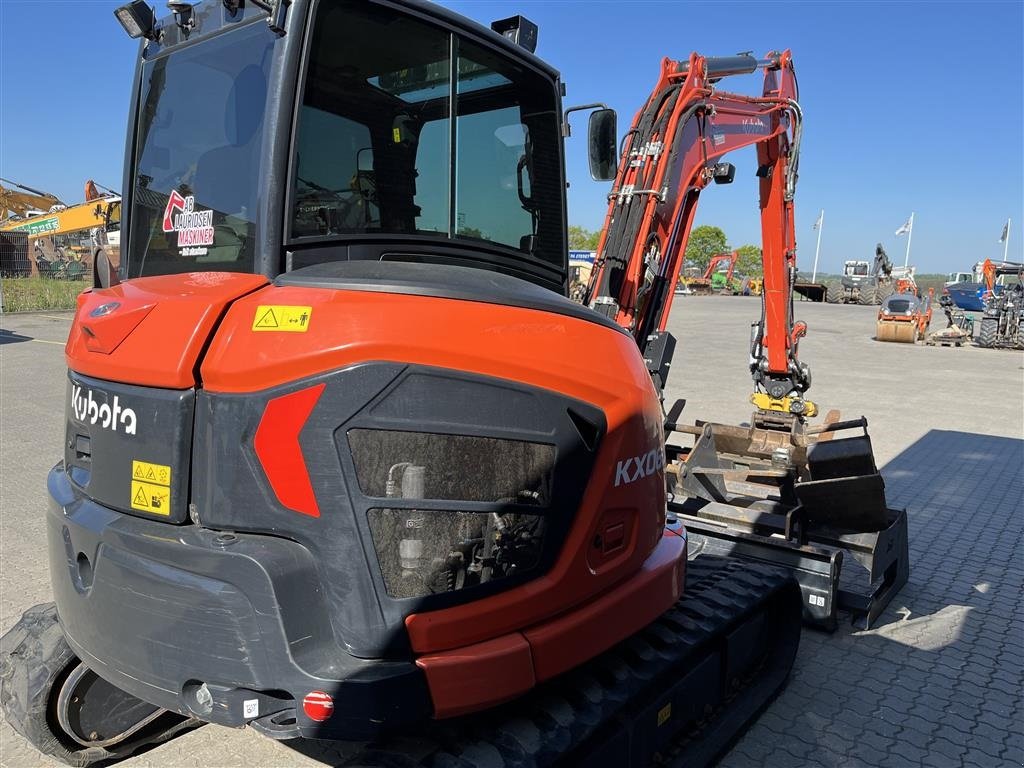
[{"x": 909, "y": 106}]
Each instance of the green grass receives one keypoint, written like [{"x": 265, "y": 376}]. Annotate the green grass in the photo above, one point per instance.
[{"x": 27, "y": 294}]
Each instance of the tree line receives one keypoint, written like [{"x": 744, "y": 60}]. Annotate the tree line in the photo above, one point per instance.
[{"x": 705, "y": 241}]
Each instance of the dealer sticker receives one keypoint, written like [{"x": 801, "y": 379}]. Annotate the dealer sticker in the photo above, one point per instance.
[
  {"x": 194, "y": 228},
  {"x": 278, "y": 317}
]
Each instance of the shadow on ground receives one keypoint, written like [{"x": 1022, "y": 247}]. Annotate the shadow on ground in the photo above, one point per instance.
[
  {"x": 10, "y": 337},
  {"x": 939, "y": 680}
]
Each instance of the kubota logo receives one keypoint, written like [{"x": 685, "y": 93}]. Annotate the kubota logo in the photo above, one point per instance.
[
  {"x": 108, "y": 415},
  {"x": 632, "y": 469}
]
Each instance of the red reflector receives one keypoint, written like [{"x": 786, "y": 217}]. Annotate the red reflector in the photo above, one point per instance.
[
  {"x": 318, "y": 706},
  {"x": 279, "y": 452}
]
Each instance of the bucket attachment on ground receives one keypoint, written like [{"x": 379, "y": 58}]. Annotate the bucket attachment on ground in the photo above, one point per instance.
[{"x": 784, "y": 494}]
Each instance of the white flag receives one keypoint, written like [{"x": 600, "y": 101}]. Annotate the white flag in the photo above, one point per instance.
[
  {"x": 820, "y": 217},
  {"x": 1006, "y": 231},
  {"x": 906, "y": 227}
]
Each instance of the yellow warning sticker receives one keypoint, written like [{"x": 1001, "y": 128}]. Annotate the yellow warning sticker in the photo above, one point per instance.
[
  {"x": 151, "y": 473},
  {"x": 664, "y": 714},
  {"x": 151, "y": 498},
  {"x": 275, "y": 317}
]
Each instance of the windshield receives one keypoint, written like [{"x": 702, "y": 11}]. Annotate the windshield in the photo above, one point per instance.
[
  {"x": 199, "y": 133},
  {"x": 377, "y": 151},
  {"x": 895, "y": 306}
]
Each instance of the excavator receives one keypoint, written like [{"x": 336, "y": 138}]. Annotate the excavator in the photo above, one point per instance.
[
  {"x": 710, "y": 281},
  {"x": 20, "y": 203},
  {"x": 17, "y": 204},
  {"x": 343, "y": 461}
]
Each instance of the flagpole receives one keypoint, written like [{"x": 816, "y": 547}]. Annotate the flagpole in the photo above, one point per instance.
[
  {"x": 817, "y": 248},
  {"x": 910, "y": 234},
  {"x": 1006, "y": 242}
]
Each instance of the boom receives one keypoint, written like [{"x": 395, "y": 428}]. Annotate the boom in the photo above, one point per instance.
[
  {"x": 722, "y": 258},
  {"x": 20, "y": 203},
  {"x": 670, "y": 154}
]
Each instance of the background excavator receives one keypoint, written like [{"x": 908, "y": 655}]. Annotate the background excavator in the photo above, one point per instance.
[
  {"x": 373, "y": 484},
  {"x": 713, "y": 278},
  {"x": 18, "y": 201}
]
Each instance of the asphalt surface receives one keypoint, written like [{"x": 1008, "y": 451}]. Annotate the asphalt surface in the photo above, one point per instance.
[{"x": 938, "y": 682}]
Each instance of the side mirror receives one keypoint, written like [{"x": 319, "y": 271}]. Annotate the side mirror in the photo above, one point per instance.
[{"x": 603, "y": 145}]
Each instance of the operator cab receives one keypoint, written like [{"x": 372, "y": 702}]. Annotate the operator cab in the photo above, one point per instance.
[{"x": 358, "y": 132}]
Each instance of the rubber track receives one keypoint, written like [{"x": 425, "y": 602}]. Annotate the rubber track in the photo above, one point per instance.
[
  {"x": 552, "y": 726},
  {"x": 33, "y": 655}
]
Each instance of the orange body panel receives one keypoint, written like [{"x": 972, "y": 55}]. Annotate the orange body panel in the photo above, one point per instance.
[
  {"x": 158, "y": 330},
  {"x": 477, "y": 676},
  {"x": 483, "y": 674},
  {"x": 577, "y": 358},
  {"x": 558, "y": 645}
]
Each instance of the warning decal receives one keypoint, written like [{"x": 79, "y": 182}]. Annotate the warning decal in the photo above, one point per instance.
[
  {"x": 275, "y": 317},
  {"x": 153, "y": 473},
  {"x": 151, "y": 498},
  {"x": 150, "y": 489}
]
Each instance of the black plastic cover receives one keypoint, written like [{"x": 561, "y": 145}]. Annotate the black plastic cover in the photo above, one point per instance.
[
  {"x": 129, "y": 447},
  {"x": 441, "y": 281}
]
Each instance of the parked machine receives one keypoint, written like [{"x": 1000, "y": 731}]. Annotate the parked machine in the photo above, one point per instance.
[
  {"x": 383, "y": 475},
  {"x": 864, "y": 283},
  {"x": 967, "y": 289},
  {"x": 18, "y": 201},
  {"x": 1002, "y": 320},
  {"x": 904, "y": 316},
  {"x": 718, "y": 276},
  {"x": 64, "y": 241}
]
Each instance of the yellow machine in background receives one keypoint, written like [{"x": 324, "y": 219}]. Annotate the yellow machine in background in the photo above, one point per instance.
[
  {"x": 22, "y": 203},
  {"x": 63, "y": 240}
]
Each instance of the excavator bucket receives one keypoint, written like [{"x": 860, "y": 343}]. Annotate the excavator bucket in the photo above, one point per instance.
[
  {"x": 801, "y": 498},
  {"x": 892, "y": 330}
]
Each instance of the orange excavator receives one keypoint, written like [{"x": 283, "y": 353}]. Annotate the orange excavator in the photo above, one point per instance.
[
  {"x": 779, "y": 490},
  {"x": 384, "y": 478},
  {"x": 706, "y": 283}
]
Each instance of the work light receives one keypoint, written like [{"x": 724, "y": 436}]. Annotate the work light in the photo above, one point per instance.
[{"x": 138, "y": 20}]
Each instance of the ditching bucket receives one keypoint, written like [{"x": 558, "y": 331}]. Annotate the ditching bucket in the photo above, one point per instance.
[{"x": 800, "y": 499}]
